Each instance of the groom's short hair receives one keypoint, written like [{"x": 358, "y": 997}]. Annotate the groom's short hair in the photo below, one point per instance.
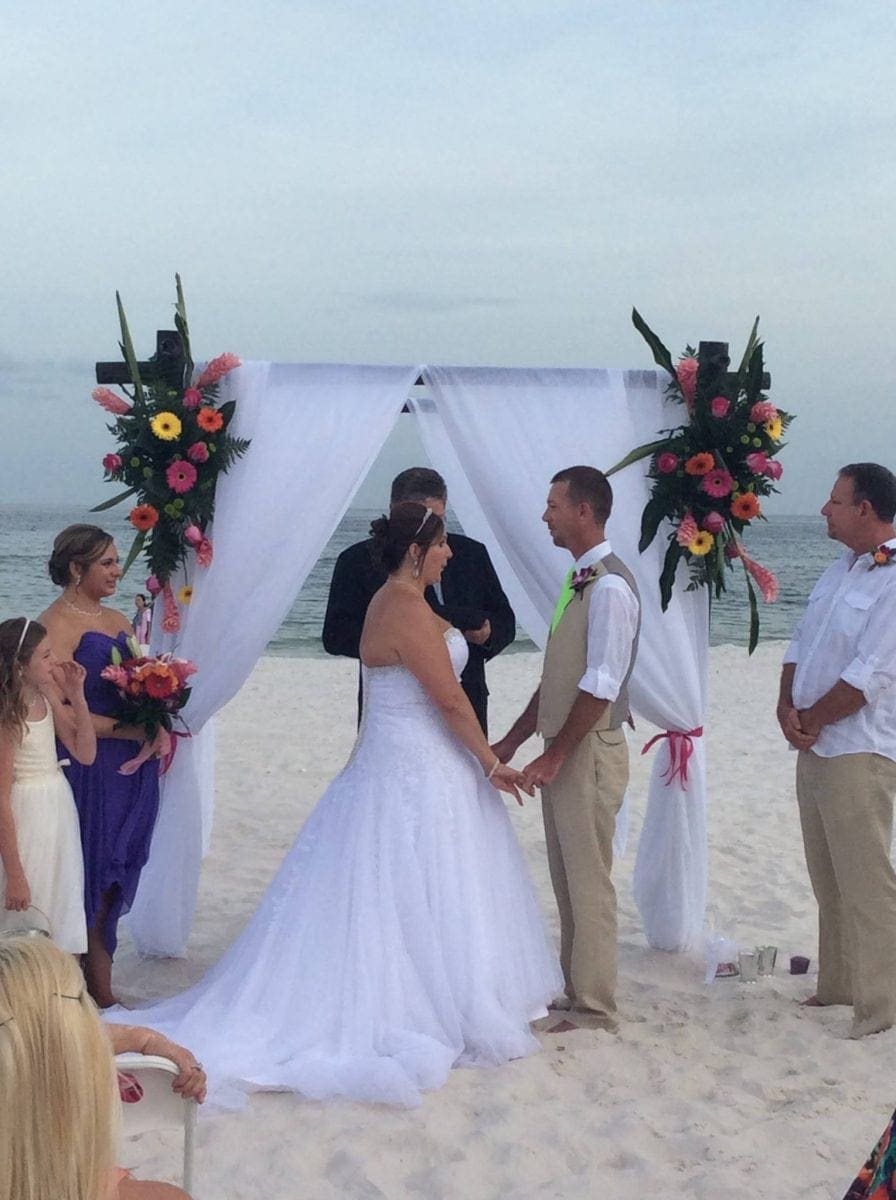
[
  {"x": 418, "y": 484},
  {"x": 874, "y": 483},
  {"x": 587, "y": 485}
]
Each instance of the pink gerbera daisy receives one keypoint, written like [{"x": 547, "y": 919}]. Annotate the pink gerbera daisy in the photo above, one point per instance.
[
  {"x": 181, "y": 476},
  {"x": 717, "y": 483}
]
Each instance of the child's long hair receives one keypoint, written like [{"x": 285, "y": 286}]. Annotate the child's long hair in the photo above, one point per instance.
[
  {"x": 15, "y": 655},
  {"x": 59, "y": 1116}
]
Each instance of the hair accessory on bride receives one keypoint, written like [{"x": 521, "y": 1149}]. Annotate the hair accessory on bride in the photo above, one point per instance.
[{"x": 426, "y": 517}]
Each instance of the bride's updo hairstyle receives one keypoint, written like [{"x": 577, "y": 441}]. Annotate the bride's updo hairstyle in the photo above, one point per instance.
[{"x": 407, "y": 524}]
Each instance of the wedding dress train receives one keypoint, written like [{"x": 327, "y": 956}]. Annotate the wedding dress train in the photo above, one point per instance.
[{"x": 400, "y": 937}]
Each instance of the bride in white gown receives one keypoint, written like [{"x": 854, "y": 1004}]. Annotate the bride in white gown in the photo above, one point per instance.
[{"x": 401, "y": 935}]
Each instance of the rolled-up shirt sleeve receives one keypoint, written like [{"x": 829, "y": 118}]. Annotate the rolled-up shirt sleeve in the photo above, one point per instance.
[
  {"x": 612, "y": 624},
  {"x": 873, "y": 669}
]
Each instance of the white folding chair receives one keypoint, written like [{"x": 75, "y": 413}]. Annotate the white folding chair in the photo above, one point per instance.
[{"x": 159, "y": 1107}]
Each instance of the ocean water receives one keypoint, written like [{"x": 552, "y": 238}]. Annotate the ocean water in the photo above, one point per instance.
[{"x": 795, "y": 548}]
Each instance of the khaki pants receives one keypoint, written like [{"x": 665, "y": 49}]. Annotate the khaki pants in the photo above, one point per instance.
[
  {"x": 846, "y": 812},
  {"x": 579, "y": 810}
]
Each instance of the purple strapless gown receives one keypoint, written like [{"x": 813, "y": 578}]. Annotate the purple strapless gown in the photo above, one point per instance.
[{"x": 117, "y": 812}]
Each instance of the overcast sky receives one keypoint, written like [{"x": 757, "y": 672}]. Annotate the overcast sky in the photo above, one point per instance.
[{"x": 485, "y": 183}]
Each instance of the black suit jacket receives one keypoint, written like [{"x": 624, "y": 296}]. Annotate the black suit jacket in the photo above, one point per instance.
[{"x": 471, "y": 591}]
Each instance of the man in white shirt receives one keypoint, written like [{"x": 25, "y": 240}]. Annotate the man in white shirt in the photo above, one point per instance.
[
  {"x": 837, "y": 707},
  {"x": 579, "y": 708}
]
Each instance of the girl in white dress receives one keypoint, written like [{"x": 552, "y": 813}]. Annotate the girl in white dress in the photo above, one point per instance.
[
  {"x": 40, "y": 845},
  {"x": 402, "y": 934}
]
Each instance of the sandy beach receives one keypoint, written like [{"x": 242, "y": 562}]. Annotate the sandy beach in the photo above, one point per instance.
[{"x": 725, "y": 1089}]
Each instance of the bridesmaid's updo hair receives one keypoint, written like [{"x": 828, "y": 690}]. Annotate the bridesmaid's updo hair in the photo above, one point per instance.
[
  {"x": 407, "y": 524},
  {"x": 80, "y": 545}
]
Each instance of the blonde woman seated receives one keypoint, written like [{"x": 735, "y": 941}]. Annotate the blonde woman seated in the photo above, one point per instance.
[{"x": 59, "y": 1080}]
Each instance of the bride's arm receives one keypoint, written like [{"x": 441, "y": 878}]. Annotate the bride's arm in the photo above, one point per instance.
[{"x": 423, "y": 651}]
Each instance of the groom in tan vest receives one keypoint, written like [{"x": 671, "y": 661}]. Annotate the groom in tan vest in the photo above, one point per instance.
[{"x": 579, "y": 708}]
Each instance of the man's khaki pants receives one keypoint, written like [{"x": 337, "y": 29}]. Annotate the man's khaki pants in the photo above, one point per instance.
[
  {"x": 579, "y": 810},
  {"x": 846, "y": 811}
]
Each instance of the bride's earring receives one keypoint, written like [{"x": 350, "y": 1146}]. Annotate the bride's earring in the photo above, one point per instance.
[
  {"x": 78, "y": 584},
  {"x": 416, "y": 570}
]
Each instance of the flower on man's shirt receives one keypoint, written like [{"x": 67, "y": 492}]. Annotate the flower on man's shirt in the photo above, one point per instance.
[
  {"x": 883, "y": 556},
  {"x": 582, "y": 578}
]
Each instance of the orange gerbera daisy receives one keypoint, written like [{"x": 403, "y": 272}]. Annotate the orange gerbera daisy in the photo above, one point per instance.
[
  {"x": 699, "y": 464},
  {"x": 744, "y": 506},
  {"x": 143, "y": 517},
  {"x": 209, "y": 420}
]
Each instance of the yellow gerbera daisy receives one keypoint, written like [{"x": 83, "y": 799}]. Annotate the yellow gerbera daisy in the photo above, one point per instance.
[
  {"x": 702, "y": 543},
  {"x": 166, "y": 426},
  {"x": 774, "y": 429},
  {"x": 185, "y": 594}
]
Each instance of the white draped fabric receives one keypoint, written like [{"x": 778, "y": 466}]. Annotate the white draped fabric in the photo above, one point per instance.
[
  {"x": 315, "y": 432},
  {"x": 497, "y": 435}
]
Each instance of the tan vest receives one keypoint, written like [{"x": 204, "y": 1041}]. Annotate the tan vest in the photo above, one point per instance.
[{"x": 565, "y": 659}]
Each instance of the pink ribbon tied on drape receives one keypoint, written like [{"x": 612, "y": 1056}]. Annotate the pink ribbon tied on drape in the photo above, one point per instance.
[{"x": 681, "y": 747}]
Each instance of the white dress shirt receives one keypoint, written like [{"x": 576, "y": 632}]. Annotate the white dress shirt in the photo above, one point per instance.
[
  {"x": 612, "y": 624},
  {"x": 848, "y": 632}
]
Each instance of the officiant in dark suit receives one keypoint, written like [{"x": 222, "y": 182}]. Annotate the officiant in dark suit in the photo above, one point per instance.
[{"x": 469, "y": 596}]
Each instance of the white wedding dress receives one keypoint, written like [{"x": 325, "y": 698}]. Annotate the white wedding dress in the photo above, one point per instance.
[{"x": 400, "y": 937}]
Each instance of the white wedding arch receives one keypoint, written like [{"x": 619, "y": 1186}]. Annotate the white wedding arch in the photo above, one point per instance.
[{"x": 497, "y": 435}]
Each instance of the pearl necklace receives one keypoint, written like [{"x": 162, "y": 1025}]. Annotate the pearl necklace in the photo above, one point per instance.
[{"x": 85, "y": 612}]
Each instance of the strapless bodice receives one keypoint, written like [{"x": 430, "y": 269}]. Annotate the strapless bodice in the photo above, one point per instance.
[
  {"x": 395, "y": 687},
  {"x": 94, "y": 653}
]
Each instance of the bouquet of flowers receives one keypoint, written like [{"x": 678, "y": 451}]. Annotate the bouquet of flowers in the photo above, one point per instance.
[
  {"x": 152, "y": 693},
  {"x": 173, "y": 443},
  {"x": 709, "y": 473}
]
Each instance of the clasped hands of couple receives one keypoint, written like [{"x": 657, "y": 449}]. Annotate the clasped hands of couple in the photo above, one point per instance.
[{"x": 540, "y": 771}]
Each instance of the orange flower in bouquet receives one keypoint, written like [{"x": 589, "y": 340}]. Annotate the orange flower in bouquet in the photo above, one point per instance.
[{"x": 152, "y": 692}]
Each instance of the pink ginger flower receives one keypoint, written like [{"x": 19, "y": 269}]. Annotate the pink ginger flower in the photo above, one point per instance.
[
  {"x": 181, "y": 476},
  {"x": 153, "y": 586},
  {"x": 767, "y": 582},
  {"x": 667, "y": 462},
  {"x": 170, "y": 615},
  {"x": 717, "y": 484},
  {"x": 687, "y": 530},
  {"x": 193, "y": 534},
  {"x": 757, "y": 462},
  {"x": 117, "y": 676},
  {"x": 217, "y": 369},
  {"x": 198, "y": 452},
  {"x": 713, "y": 522},
  {"x": 719, "y": 406},
  {"x": 763, "y": 411},
  {"x": 192, "y": 398},
  {"x": 110, "y": 401},
  {"x": 112, "y": 462},
  {"x": 205, "y": 553},
  {"x": 686, "y": 373}
]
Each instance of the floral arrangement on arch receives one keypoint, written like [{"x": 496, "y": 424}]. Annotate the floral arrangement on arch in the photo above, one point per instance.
[
  {"x": 172, "y": 446},
  {"x": 710, "y": 473}
]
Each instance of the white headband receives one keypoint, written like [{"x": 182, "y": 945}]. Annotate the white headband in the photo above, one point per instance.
[{"x": 22, "y": 637}]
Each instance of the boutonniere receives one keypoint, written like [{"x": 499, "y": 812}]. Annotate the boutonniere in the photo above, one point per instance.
[
  {"x": 582, "y": 578},
  {"x": 882, "y": 557}
]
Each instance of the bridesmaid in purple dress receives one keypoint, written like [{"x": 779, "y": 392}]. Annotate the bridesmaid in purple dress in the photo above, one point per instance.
[{"x": 117, "y": 812}]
